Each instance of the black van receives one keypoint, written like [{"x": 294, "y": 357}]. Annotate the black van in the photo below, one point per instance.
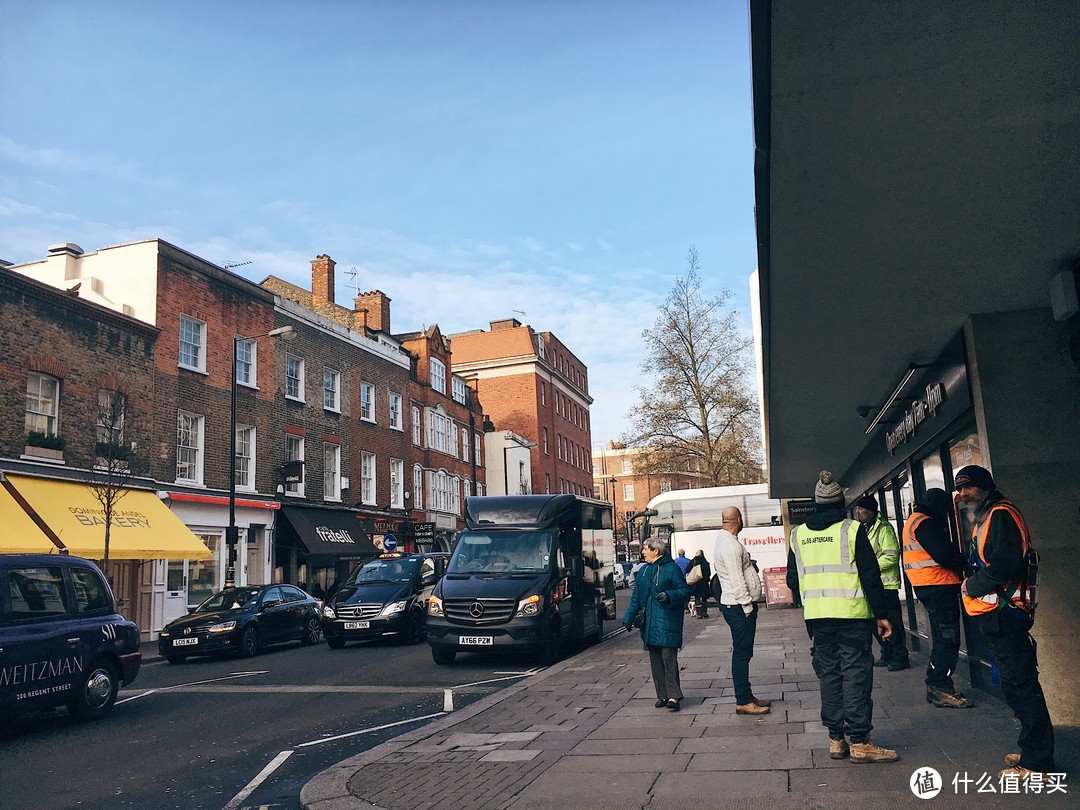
[
  {"x": 529, "y": 573},
  {"x": 62, "y": 641},
  {"x": 386, "y": 597}
]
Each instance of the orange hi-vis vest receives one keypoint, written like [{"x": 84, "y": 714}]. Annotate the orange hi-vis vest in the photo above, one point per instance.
[
  {"x": 919, "y": 567},
  {"x": 1017, "y": 596}
]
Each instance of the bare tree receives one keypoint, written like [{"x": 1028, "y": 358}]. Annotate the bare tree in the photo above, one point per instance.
[
  {"x": 700, "y": 415},
  {"x": 113, "y": 467}
]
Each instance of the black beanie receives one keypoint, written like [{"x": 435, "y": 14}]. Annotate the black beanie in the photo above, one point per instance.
[
  {"x": 868, "y": 502},
  {"x": 975, "y": 476}
]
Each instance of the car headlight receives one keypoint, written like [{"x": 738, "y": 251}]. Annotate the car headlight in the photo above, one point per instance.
[
  {"x": 393, "y": 609},
  {"x": 530, "y": 605},
  {"x": 434, "y": 606},
  {"x": 164, "y": 634},
  {"x": 328, "y": 612},
  {"x": 224, "y": 627}
]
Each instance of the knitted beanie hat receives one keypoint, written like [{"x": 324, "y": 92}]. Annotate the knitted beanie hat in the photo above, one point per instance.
[{"x": 827, "y": 491}]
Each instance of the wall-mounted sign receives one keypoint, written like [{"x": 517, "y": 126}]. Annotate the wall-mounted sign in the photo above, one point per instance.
[
  {"x": 799, "y": 511},
  {"x": 919, "y": 412},
  {"x": 292, "y": 472},
  {"x": 424, "y": 532}
]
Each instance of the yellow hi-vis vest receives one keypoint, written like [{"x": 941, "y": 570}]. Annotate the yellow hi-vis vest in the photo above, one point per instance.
[
  {"x": 887, "y": 549},
  {"x": 828, "y": 579}
]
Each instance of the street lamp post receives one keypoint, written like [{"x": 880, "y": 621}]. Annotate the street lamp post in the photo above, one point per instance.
[
  {"x": 614, "y": 515},
  {"x": 232, "y": 532}
]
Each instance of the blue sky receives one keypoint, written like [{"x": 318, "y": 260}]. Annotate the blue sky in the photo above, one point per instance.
[{"x": 473, "y": 160}]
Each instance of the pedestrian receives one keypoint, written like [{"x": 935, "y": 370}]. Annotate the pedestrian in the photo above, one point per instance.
[
  {"x": 699, "y": 590},
  {"x": 740, "y": 588},
  {"x": 683, "y": 562},
  {"x": 662, "y": 592},
  {"x": 996, "y": 595},
  {"x": 833, "y": 567},
  {"x": 934, "y": 566},
  {"x": 894, "y": 653}
]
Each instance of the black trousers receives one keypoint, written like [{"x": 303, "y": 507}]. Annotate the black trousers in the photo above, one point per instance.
[
  {"x": 894, "y": 648},
  {"x": 665, "y": 672},
  {"x": 942, "y": 603},
  {"x": 844, "y": 663},
  {"x": 1013, "y": 649},
  {"x": 743, "y": 630}
]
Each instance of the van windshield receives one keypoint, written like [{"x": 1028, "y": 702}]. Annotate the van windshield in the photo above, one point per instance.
[{"x": 514, "y": 552}]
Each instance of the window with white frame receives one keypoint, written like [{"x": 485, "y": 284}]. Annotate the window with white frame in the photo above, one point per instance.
[
  {"x": 367, "y": 478},
  {"x": 627, "y": 466},
  {"x": 189, "y": 447},
  {"x": 479, "y": 489},
  {"x": 438, "y": 375},
  {"x": 397, "y": 483},
  {"x": 417, "y": 486},
  {"x": 417, "y": 426},
  {"x": 244, "y": 465},
  {"x": 628, "y": 492},
  {"x": 331, "y": 389},
  {"x": 395, "y": 411},
  {"x": 477, "y": 458},
  {"x": 42, "y": 403},
  {"x": 464, "y": 444},
  {"x": 294, "y": 451},
  {"x": 367, "y": 401},
  {"x": 543, "y": 394},
  {"x": 442, "y": 435},
  {"x": 245, "y": 362},
  {"x": 294, "y": 377},
  {"x": 458, "y": 387},
  {"x": 665, "y": 486},
  {"x": 466, "y": 490},
  {"x": 455, "y": 495},
  {"x": 112, "y": 410},
  {"x": 331, "y": 472},
  {"x": 543, "y": 441},
  {"x": 192, "y": 343},
  {"x": 439, "y": 485}
]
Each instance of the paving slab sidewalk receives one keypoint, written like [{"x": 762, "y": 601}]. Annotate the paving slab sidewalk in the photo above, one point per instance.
[{"x": 585, "y": 731}]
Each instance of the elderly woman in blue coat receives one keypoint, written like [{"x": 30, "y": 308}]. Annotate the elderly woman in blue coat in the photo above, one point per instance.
[{"x": 661, "y": 589}]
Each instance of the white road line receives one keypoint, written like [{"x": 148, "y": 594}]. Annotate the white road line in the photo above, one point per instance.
[
  {"x": 135, "y": 697},
  {"x": 261, "y": 777},
  {"x": 369, "y": 730},
  {"x": 214, "y": 680},
  {"x": 493, "y": 680}
]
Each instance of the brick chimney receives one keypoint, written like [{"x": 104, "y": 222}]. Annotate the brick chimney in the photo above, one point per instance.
[
  {"x": 377, "y": 305},
  {"x": 322, "y": 281},
  {"x": 505, "y": 323}
]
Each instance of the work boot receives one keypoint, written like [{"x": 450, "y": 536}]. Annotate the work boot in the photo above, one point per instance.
[
  {"x": 896, "y": 666},
  {"x": 1020, "y": 774},
  {"x": 752, "y": 708},
  {"x": 838, "y": 749},
  {"x": 760, "y": 702},
  {"x": 1012, "y": 760},
  {"x": 868, "y": 752},
  {"x": 947, "y": 700}
]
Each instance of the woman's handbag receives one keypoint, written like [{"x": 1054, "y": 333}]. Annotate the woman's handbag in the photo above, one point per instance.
[{"x": 693, "y": 576}]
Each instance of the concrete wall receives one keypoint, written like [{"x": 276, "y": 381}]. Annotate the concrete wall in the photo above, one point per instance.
[{"x": 1027, "y": 404}]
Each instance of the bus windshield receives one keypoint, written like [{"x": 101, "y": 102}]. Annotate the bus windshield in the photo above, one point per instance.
[{"x": 503, "y": 552}]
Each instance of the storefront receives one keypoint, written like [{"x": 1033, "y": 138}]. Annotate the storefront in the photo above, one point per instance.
[{"x": 317, "y": 547}]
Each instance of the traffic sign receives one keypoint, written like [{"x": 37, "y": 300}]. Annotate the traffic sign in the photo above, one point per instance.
[{"x": 389, "y": 542}]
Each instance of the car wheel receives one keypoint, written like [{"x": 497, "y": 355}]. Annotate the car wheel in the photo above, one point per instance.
[
  {"x": 176, "y": 659},
  {"x": 443, "y": 656},
  {"x": 95, "y": 694},
  {"x": 249, "y": 642},
  {"x": 551, "y": 650},
  {"x": 335, "y": 643},
  {"x": 312, "y": 631},
  {"x": 415, "y": 631}
]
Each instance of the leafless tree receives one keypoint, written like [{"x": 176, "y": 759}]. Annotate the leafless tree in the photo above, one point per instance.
[
  {"x": 114, "y": 462},
  {"x": 700, "y": 415}
]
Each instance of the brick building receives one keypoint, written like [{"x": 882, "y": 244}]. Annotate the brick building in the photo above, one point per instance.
[
  {"x": 446, "y": 428},
  {"x": 531, "y": 384}
]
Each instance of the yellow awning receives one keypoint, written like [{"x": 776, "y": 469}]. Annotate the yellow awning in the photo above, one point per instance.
[
  {"x": 143, "y": 528},
  {"x": 20, "y": 535}
]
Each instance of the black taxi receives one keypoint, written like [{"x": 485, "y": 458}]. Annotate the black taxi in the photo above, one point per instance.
[
  {"x": 386, "y": 597},
  {"x": 62, "y": 640}
]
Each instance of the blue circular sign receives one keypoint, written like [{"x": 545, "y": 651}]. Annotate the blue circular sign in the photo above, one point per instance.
[{"x": 389, "y": 542}]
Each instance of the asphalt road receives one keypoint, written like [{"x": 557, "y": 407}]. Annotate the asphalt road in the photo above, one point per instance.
[{"x": 246, "y": 733}]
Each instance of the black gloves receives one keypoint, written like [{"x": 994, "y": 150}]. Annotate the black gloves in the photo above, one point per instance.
[
  {"x": 663, "y": 598},
  {"x": 629, "y": 627}
]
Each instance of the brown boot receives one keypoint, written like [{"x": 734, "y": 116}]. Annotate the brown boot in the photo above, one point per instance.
[
  {"x": 1012, "y": 760},
  {"x": 838, "y": 749},
  {"x": 868, "y": 752},
  {"x": 1020, "y": 774},
  {"x": 947, "y": 700},
  {"x": 752, "y": 708}
]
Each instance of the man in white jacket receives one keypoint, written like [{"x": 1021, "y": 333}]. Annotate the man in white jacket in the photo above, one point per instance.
[{"x": 740, "y": 588}]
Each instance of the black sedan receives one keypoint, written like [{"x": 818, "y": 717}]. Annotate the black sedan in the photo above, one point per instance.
[{"x": 242, "y": 621}]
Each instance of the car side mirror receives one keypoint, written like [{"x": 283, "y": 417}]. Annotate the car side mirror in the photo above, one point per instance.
[{"x": 429, "y": 579}]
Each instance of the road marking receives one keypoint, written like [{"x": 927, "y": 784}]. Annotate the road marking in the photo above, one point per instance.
[
  {"x": 272, "y": 766},
  {"x": 493, "y": 680},
  {"x": 135, "y": 697},
  {"x": 448, "y": 700},
  {"x": 369, "y": 730},
  {"x": 215, "y": 680}
]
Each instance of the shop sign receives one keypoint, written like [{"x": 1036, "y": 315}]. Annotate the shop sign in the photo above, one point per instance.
[
  {"x": 919, "y": 412},
  {"x": 799, "y": 511},
  {"x": 424, "y": 532}
]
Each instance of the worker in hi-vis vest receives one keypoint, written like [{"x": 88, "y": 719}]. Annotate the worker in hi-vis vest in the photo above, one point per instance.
[
  {"x": 894, "y": 654},
  {"x": 833, "y": 567},
  {"x": 996, "y": 596},
  {"x": 934, "y": 566}
]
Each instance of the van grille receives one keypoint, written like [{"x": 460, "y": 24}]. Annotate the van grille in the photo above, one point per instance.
[
  {"x": 478, "y": 612},
  {"x": 362, "y": 611}
]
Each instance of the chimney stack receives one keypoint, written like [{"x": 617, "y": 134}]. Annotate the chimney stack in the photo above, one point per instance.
[
  {"x": 70, "y": 253},
  {"x": 322, "y": 281},
  {"x": 377, "y": 305}
]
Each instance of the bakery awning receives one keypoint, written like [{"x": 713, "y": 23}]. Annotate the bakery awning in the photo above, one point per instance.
[
  {"x": 20, "y": 534},
  {"x": 142, "y": 527},
  {"x": 328, "y": 532}
]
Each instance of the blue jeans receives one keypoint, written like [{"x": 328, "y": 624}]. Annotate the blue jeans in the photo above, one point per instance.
[{"x": 743, "y": 629}]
